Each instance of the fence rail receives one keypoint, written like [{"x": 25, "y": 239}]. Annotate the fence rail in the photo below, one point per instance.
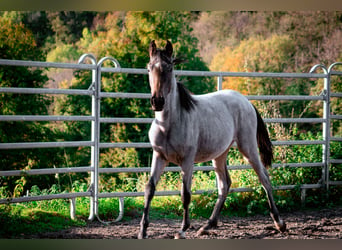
[{"x": 94, "y": 91}]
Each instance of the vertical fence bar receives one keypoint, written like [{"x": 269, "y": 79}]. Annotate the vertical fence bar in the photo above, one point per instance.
[
  {"x": 96, "y": 139},
  {"x": 93, "y": 149},
  {"x": 219, "y": 83},
  {"x": 73, "y": 208},
  {"x": 326, "y": 129},
  {"x": 326, "y": 124}
]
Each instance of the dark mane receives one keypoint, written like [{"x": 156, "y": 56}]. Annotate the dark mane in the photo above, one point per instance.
[{"x": 186, "y": 99}]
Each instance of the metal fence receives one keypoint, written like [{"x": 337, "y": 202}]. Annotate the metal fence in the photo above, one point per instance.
[{"x": 96, "y": 67}]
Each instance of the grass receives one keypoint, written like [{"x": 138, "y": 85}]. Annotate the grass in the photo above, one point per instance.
[{"x": 17, "y": 221}]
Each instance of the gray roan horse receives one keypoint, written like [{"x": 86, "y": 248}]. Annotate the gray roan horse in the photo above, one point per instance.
[{"x": 199, "y": 128}]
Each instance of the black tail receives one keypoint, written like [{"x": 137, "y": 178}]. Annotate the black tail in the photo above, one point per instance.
[{"x": 264, "y": 142}]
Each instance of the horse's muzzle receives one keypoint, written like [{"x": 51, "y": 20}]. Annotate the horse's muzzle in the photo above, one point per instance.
[{"x": 157, "y": 103}]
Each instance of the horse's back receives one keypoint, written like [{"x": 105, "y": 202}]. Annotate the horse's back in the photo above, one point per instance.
[
  {"x": 231, "y": 110},
  {"x": 240, "y": 108},
  {"x": 229, "y": 101}
]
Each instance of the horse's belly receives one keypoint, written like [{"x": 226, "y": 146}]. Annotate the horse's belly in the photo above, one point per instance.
[
  {"x": 215, "y": 139},
  {"x": 210, "y": 152}
]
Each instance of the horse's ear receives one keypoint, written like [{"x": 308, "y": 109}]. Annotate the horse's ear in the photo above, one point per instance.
[
  {"x": 153, "y": 48},
  {"x": 168, "y": 48}
]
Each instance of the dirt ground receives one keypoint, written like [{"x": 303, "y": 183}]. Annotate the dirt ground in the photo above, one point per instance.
[{"x": 322, "y": 224}]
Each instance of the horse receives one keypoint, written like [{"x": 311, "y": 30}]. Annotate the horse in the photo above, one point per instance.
[{"x": 189, "y": 128}]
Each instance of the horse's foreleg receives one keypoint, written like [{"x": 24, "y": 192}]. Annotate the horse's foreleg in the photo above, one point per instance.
[
  {"x": 158, "y": 165},
  {"x": 223, "y": 184},
  {"x": 187, "y": 170}
]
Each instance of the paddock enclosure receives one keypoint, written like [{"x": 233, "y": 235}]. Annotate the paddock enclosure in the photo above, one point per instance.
[{"x": 96, "y": 67}]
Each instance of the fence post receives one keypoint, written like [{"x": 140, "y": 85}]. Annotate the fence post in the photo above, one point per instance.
[
  {"x": 96, "y": 132},
  {"x": 326, "y": 129},
  {"x": 326, "y": 125},
  {"x": 93, "y": 86}
]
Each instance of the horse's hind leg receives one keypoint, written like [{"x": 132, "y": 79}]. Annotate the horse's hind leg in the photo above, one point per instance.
[
  {"x": 223, "y": 184},
  {"x": 250, "y": 151}
]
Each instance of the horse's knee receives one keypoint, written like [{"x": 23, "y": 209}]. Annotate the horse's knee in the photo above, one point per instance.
[
  {"x": 150, "y": 188},
  {"x": 222, "y": 176},
  {"x": 186, "y": 197},
  {"x": 228, "y": 183}
]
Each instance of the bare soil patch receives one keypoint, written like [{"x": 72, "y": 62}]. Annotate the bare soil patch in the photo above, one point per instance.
[{"x": 321, "y": 224}]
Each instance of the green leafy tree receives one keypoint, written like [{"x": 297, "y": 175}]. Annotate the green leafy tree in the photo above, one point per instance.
[{"x": 17, "y": 42}]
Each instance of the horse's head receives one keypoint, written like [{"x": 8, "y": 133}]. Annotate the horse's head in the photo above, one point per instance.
[{"x": 160, "y": 69}]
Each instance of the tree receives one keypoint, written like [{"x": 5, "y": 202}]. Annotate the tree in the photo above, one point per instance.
[
  {"x": 17, "y": 42},
  {"x": 315, "y": 33},
  {"x": 218, "y": 29},
  {"x": 257, "y": 55},
  {"x": 275, "y": 54}
]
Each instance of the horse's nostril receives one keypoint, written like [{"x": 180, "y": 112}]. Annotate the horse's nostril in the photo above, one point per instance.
[
  {"x": 157, "y": 103},
  {"x": 161, "y": 101}
]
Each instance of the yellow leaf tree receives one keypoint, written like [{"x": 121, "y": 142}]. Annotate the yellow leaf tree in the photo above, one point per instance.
[{"x": 256, "y": 54}]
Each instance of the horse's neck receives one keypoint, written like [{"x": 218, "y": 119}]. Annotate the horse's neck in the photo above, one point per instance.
[{"x": 171, "y": 108}]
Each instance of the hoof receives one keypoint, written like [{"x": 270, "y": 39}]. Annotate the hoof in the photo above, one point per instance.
[
  {"x": 281, "y": 226},
  {"x": 180, "y": 235},
  {"x": 141, "y": 236},
  {"x": 205, "y": 229},
  {"x": 202, "y": 231}
]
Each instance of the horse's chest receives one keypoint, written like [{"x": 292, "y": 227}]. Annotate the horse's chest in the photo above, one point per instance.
[{"x": 173, "y": 144}]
